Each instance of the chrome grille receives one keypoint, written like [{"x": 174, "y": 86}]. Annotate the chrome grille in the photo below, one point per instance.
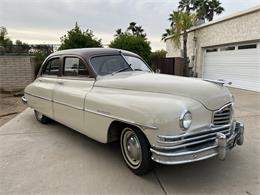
[
  {"x": 193, "y": 139},
  {"x": 222, "y": 116}
]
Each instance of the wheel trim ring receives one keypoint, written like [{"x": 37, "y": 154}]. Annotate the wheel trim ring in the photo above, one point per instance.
[{"x": 129, "y": 133}]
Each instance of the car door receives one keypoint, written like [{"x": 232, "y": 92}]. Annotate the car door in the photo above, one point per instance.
[
  {"x": 70, "y": 92},
  {"x": 41, "y": 92}
]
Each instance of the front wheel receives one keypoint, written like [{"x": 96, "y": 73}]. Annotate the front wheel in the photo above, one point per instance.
[
  {"x": 41, "y": 118},
  {"x": 136, "y": 151}
]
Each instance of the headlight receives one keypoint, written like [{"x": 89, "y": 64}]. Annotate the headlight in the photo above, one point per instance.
[{"x": 185, "y": 120}]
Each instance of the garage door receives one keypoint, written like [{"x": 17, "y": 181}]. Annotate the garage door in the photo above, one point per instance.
[{"x": 239, "y": 64}]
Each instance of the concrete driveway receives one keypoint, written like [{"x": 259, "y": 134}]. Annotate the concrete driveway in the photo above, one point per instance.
[{"x": 53, "y": 159}]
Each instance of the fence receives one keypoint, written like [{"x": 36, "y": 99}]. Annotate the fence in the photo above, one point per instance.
[
  {"x": 16, "y": 72},
  {"x": 173, "y": 66},
  {"x": 19, "y": 63},
  {"x": 26, "y": 49}
]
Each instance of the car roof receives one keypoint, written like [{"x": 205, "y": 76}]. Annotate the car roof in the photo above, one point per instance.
[{"x": 89, "y": 52}]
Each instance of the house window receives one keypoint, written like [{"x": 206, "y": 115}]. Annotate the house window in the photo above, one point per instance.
[
  {"x": 251, "y": 46},
  {"x": 211, "y": 50},
  {"x": 228, "y": 48}
]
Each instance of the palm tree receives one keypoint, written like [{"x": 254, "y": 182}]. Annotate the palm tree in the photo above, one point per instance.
[
  {"x": 181, "y": 22},
  {"x": 211, "y": 7},
  {"x": 205, "y": 9},
  {"x": 166, "y": 34},
  {"x": 136, "y": 30},
  {"x": 118, "y": 32},
  {"x": 186, "y": 5},
  {"x": 132, "y": 27},
  {"x": 139, "y": 31}
]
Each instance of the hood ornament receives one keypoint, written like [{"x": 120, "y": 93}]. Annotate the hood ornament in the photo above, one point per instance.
[{"x": 219, "y": 82}]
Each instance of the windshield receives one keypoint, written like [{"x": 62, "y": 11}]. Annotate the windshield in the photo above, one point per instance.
[
  {"x": 112, "y": 64},
  {"x": 137, "y": 64}
]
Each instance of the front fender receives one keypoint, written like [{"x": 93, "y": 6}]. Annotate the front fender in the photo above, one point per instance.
[{"x": 147, "y": 109}]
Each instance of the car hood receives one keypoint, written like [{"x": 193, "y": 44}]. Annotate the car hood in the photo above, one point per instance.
[{"x": 211, "y": 95}]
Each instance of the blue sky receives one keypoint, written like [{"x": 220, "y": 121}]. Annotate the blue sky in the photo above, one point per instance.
[{"x": 45, "y": 21}]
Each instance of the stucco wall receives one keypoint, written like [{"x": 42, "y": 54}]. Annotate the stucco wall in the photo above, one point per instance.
[
  {"x": 16, "y": 72},
  {"x": 235, "y": 30}
]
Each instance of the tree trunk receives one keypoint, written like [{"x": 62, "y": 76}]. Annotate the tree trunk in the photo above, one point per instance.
[{"x": 186, "y": 62}]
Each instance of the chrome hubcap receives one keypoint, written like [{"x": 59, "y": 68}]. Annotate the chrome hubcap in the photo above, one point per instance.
[{"x": 132, "y": 149}]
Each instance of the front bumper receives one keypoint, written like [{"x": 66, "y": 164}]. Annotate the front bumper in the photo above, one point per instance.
[{"x": 214, "y": 142}]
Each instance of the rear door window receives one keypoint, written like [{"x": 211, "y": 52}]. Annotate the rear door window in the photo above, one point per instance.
[{"x": 74, "y": 66}]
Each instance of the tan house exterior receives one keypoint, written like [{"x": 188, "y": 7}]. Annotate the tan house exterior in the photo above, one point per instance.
[{"x": 239, "y": 28}]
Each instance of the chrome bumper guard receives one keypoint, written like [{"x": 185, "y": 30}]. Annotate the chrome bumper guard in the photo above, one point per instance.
[
  {"x": 218, "y": 146},
  {"x": 24, "y": 100}
]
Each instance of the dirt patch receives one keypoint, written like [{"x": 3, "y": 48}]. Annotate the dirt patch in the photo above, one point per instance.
[{"x": 10, "y": 105}]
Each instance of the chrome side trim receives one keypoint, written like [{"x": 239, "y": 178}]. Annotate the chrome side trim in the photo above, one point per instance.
[
  {"x": 99, "y": 113},
  {"x": 120, "y": 119},
  {"x": 44, "y": 98},
  {"x": 58, "y": 102},
  {"x": 69, "y": 105},
  {"x": 220, "y": 82}
]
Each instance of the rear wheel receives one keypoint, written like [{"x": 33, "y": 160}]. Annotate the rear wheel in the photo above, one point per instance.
[
  {"x": 41, "y": 118},
  {"x": 135, "y": 150}
]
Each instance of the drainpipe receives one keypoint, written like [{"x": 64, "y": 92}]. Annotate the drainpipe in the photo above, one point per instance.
[{"x": 194, "y": 57}]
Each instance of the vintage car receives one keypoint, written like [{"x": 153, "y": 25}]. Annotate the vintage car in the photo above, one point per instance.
[{"x": 111, "y": 94}]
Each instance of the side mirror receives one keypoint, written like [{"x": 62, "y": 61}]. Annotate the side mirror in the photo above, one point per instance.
[{"x": 157, "y": 70}]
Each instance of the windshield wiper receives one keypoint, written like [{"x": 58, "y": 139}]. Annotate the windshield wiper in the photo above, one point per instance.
[{"x": 122, "y": 69}]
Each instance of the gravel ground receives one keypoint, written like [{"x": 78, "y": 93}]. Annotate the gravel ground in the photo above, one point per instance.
[{"x": 10, "y": 105}]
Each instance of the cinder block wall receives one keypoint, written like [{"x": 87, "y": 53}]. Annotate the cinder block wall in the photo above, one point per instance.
[{"x": 16, "y": 72}]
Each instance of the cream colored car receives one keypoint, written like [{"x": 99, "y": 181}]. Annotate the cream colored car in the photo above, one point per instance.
[{"x": 110, "y": 95}]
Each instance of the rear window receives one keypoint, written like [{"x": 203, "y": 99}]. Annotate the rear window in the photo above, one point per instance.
[{"x": 52, "y": 67}]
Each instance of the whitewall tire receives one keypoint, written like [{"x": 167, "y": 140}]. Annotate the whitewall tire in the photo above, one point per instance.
[
  {"x": 135, "y": 150},
  {"x": 41, "y": 118}
]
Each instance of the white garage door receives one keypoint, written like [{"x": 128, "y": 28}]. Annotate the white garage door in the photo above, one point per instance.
[{"x": 239, "y": 64}]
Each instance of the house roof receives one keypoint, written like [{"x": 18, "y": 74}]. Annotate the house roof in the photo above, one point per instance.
[{"x": 230, "y": 17}]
